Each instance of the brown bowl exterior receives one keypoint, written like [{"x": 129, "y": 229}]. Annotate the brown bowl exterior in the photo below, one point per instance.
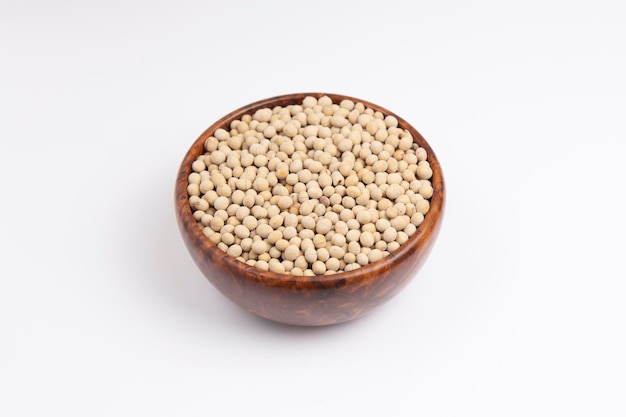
[{"x": 308, "y": 300}]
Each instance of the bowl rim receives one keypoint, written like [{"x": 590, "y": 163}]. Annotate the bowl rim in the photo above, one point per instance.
[{"x": 429, "y": 227}]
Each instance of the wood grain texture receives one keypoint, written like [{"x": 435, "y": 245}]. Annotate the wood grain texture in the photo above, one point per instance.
[{"x": 308, "y": 300}]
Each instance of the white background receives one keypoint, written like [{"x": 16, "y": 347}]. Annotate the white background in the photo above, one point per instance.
[{"x": 519, "y": 310}]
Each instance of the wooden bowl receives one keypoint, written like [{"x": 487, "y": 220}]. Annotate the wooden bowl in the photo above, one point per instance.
[{"x": 308, "y": 300}]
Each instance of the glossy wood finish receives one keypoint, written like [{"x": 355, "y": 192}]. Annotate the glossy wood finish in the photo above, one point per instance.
[{"x": 305, "y": 300}]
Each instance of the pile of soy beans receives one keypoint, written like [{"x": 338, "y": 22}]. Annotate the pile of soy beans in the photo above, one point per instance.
[{"x": 312, "y": 188}]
